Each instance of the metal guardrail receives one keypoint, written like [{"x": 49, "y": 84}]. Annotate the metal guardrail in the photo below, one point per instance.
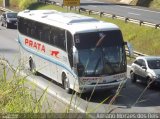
[
  {"x": 6, "y": 10},
  {"x": 135, "y": 52}
]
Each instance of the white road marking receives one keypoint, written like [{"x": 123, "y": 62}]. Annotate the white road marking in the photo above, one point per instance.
[
  {"x": 93, "y": 6},
  {"x": 94, "y": 1},
  {"x": 140, "y": 9},
  {"x": 134, "y": 13}
]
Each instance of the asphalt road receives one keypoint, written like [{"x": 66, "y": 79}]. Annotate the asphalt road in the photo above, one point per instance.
[
  {"x": 125, "y": 102},
  {"x": 132, "y": 12}
]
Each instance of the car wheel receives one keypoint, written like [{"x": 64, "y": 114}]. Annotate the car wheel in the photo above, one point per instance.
[{"x": 133, "y": 77}]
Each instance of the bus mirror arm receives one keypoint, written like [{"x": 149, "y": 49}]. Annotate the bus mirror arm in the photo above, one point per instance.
[{"x": 130, "y": 49}]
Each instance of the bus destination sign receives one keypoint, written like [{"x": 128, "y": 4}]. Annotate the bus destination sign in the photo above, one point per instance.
[{"x": 71, "y": 2}]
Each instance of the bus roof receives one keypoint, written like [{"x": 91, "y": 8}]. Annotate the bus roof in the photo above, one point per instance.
[{"x": 72, "y": 22}]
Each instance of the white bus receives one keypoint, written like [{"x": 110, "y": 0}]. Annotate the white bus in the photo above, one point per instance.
[{"x": 79, "y": 52}]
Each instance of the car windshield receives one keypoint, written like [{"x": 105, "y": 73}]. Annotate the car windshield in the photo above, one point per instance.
[
  {"x": 12, "y": 15},
  {"x": 154, "y": 63}
]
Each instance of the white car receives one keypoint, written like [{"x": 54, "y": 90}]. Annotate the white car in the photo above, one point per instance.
[{"x": 147, "y": 69}]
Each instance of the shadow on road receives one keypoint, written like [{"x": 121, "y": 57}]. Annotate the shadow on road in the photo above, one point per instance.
[
  {"x": 7, "y": 50},
  {"x": 128, "y": 96}
]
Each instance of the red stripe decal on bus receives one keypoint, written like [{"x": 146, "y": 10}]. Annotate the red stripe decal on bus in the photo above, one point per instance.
[{"x": 55, "y": 53}]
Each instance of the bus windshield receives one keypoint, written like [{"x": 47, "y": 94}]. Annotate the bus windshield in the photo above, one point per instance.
[{"x": 100, "y": 53}]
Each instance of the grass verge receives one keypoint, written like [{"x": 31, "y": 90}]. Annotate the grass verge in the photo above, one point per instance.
[{"x": 15, "y": 97}]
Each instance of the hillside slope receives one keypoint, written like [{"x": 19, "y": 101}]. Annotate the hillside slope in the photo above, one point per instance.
[{"x": 155, "y": 4}]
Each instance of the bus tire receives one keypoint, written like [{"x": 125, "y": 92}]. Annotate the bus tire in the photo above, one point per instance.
[
  {"x": 32, "y": 66},
  {"x": 66, "y": 84}
]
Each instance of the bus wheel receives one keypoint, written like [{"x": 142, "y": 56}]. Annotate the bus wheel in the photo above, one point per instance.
[
  {"x": 66, "y": 84},
  {"x": 32, "y": 66}
]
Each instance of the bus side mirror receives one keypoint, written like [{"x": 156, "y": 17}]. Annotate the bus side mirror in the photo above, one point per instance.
[
  {"x": 129, "y": 49},
  {"x": 75, "y": 55}
]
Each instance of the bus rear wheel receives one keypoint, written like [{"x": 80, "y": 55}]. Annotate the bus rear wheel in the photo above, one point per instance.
[{"x": 32, "y": 66}]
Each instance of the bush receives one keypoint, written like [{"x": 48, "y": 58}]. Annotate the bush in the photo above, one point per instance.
[{"x": 24, "y": 4}]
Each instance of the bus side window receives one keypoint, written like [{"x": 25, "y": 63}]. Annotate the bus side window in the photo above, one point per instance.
[
  {"x": 29, "y": 27},
  {"x": 52, "y": 40},
  {"x": 33, "y": 30},
  {"x": 62, "y": 40},
  {"x": 21, "y": 25},
  {"x": 25, "y": 27},
  {"x": 46, "y": 31},
  {"x": 69, "y": 48},
  {"x": 40, "y": 32}
]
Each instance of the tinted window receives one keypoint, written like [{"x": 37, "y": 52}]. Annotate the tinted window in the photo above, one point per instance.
[
  {"x": 140, "y": 62},
  {"x": 69, "y": 48},
  {"x": 153, "y": 64},
  {"x": 58, "y": 37},
  {"x": 143, "y": 63},
  {"x": 11, "y": 15},
  {"x": 43, "y": 32},
  {"x": 98, "y": 39}
]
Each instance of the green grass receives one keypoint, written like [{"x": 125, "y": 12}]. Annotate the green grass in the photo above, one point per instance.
[
  {"x": 1, "y": 2},
  {"x": 18, "y": 95},
  {"x": 155, "y": 4}
]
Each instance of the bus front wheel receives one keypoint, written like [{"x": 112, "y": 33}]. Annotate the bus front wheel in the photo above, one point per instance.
[{"x": 66, "y": 84}]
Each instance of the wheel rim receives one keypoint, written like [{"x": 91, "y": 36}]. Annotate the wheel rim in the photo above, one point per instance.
[{"x": 66, "y": 84}]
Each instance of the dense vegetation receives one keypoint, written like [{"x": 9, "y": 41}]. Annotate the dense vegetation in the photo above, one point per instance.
[
  {"x": 15, "y": 96},
  {"x": 155, "y": 4},
  {"x": 20, "y": 4}
]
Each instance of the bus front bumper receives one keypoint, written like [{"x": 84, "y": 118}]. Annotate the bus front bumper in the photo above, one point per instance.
[{"x": 107, "y": 86}]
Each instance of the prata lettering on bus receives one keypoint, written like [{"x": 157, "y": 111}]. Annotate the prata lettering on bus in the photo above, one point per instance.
[
  {"x": 36, "y": 45},
  {"x": 40, "y": 47}
]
